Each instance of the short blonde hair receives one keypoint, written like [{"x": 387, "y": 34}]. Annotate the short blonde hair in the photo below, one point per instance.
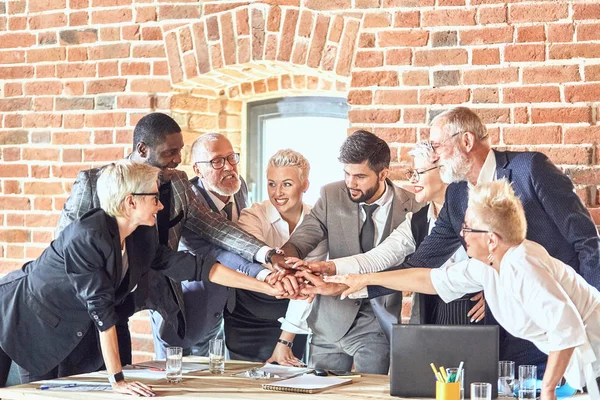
[
  {"x": 461, "y": 119},
  {"x": 291, "y": 158},
  {"x": 496, "y": 206},
  {"x": 120, "y": 179},
  {"x": 425, "y": 149}
]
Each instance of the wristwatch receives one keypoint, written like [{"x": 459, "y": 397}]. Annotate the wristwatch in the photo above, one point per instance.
[
  {"x": 270, "y": 254},
  {"x": 285, "y": 343},
  {"x": 115, "y": 378}
]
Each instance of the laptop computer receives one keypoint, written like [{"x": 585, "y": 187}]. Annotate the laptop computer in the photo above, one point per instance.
[{"x": 414, "y": 347}]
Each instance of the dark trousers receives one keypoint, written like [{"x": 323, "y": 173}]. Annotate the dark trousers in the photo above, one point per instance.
[
  {"x": 5, "y": 362},
  {"x": 86, "y": 357},
  {"x": 250, "y": 338}
]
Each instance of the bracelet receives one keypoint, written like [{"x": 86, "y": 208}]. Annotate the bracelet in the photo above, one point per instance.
[{"x": 285, "y": 343}]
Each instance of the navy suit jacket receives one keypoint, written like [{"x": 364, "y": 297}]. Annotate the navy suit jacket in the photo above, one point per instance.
[
  {"x": 204, "y": 301},
  {"x": 556, "y": 219}
]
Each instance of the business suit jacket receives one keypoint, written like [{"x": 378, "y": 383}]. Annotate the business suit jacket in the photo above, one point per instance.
[
  {"x": 336, "y": 218},
  {"x": 205, "y": 301},
  {"x": 75, "y": 285},
  {"x": 556, "y": 219},
  {"x": 190, "y": 219}
]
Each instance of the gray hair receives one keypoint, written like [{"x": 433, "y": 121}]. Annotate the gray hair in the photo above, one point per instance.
[
  {"x": 424, "y": 149},
  {"x": 291, "y": 158},
  {"x": 120, "y": 179},
  {"x": 199, "y": 144},
  {"x": 461, "y": 119}
]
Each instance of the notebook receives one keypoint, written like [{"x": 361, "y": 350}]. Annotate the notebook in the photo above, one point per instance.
[
  {"x": 306, "y": 384},
  {"x": 414, "y": 347}
]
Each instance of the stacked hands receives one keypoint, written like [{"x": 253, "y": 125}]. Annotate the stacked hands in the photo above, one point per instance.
[{"x": 297, "y": 279}]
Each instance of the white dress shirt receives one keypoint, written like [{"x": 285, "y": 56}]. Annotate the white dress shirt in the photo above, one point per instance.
[
  {"x": 391, "y": 252},
  {"x": 264, "y": 221},
  {"x": 537, "y": 298}
]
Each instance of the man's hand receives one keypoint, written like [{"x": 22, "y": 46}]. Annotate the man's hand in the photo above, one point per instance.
[
  {"x": 354, "y": 282},
  {"x": 478, "y": 311},
  {"x": 319, "y": 286},
  {"x": 278, "y": 262},
  {"x": 322, "y": 267},
  {"x": 296, "y": 263}
]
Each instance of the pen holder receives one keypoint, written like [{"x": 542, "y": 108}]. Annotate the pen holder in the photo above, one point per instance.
[{"x": 447, "y": 391}]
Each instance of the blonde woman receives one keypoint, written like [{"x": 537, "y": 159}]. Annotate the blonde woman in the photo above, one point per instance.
[
  {"x": 532, "y": 295},
  {"x": 253, "y": 333},
  {"x": 78, "y": 284}
]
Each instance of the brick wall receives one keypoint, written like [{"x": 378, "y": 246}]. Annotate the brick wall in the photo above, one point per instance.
[{"x": 76, "y": 75}]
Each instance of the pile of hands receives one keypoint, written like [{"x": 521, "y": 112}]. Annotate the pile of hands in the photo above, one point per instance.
[{"x": 297, "y": 279}]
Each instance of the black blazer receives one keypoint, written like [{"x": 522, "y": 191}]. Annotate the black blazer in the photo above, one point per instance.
[{"x": 76, "y": 284}]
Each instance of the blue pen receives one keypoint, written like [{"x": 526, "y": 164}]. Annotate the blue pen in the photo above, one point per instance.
[{"x": 48, "y": 387}]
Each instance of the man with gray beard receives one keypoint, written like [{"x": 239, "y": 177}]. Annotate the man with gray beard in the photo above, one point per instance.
[{"x": 219, "y": 187}]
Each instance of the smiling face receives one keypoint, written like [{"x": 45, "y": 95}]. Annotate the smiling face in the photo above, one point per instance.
[
  {"x": 285, "y": 189},
  {"x": 145, "y": 208},
  {"x": 429, "y": 185},
  {"x": 477, "y": 242},
  {"x": 454, "y": 163},
  {"x": 168, "y": 153},
  {"x": 224, "y": 181},
  {"x": 362, "y": 182}
]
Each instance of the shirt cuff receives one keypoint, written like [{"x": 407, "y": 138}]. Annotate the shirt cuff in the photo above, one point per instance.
[
  {"x": 262, "y": 275},
  {"x": 361, "y": 294},
  {"x": 261, "y": 254},
  {"x": 346, "y": 265},
  {"x": 298, "y": 330}
]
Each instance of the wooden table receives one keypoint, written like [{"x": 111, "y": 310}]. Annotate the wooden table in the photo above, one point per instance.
[{"x": 207, "y": 386}]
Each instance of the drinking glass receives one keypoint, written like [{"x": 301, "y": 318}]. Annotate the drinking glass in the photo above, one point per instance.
[
  {"x": 174, "y": 365},
  {"x": 506, "y": 378},
  {"x": 527, "y": 381},
  {"x": 481, "y": 391},
  {"x": 216, "y": 356}
]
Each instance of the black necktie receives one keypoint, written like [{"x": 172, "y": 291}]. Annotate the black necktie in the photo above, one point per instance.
[
  {"x": 228, "y": 210},
  {"x": 163, "y": 216},
  {"x": 367, "y": 233}
]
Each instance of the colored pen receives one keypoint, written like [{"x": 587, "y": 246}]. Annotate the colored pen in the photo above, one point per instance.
[
  {"x": 460, "y": 370},
  {"x": 443, "y": 373},
  {"x": 437, "y": 377},
  {"x": 48, "y": 387}
]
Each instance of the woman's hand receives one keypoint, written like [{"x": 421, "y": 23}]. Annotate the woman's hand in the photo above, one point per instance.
[
  {"x": 322, "y": 267},
  {"x": 478, "y": 311},
  {"x": 283, "y": 355},
  {"x": 296, "y": 263},
  {"x": 548, "y": 394},
  {"x": 355, "y": 282},
  {"x": 134, "y": 388}
]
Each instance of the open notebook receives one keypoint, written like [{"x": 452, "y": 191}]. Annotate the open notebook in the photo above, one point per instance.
[{"x": 306, "y": 384}]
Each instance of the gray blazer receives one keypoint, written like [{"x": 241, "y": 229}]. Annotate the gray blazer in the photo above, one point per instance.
[
  {"x": 336, "y": 218},
  {"x": 191, "y": 218}
]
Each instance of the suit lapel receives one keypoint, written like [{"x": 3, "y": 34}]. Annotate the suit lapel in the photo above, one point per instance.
[
  {"x": 400, "y": 206},
  {"x": 502, "y": 170},
  {"x": 349, "y": 218},
  {"x": 113, "y": 228}
]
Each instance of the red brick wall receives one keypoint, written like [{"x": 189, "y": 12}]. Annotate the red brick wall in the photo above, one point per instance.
[{"x": 76, "y": 75}]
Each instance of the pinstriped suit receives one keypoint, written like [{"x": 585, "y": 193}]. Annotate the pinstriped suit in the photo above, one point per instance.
[
  {"x": 556, "y": 219},
  {"x": 195, "y": 219}
]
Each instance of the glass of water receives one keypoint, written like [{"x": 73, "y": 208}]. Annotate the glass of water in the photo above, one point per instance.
[
  {"x": 174, "y": 364},
  {"x": 506, "y": 378},
  {"x": 216, "y": 356},
  {"x": 527, "y": 381},
  {"x": 481, "y": 391}
]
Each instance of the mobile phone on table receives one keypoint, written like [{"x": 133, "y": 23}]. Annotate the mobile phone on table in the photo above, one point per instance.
[
  {"x": 320, "y": 372},
  {"x": 340, "y": 372}
]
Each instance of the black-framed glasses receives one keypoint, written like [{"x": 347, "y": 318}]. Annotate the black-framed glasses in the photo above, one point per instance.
[
  {"x": 413, "y": 174},
  {"x": 465, "y": 228},
  {"x": 155, "y": 194},
  {"x": 219, "y": 162}
]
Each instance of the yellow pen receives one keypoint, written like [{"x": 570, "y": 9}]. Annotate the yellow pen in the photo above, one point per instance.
[
  {"x": 443, "y": 372},
  {"x": 437, "y": 374}
]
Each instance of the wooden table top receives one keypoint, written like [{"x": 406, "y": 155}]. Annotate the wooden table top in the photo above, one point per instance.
[{"x": 204, "y": 385}]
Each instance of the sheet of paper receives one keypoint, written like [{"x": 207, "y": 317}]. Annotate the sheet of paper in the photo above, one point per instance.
[
  {"x": 273, "y": 371},
  {"x": 154, "y": 370},
  {"x": 74, "y": 386},
  {"x": 310, "y": 382}
]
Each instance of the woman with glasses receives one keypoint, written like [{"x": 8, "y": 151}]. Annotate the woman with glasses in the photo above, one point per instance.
[
  {"x": 256, "y": 326},
  {"x": 75, "y": 289},
  {"x": 403, "y": 241},
  {"x": 532, "y": 295}
]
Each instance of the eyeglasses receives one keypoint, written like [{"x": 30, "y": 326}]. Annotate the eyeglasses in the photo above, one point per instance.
[
  {"x": 155, "y": 194},
  {"x": 465, "y": 228},
  {"x": 219, "y": 162},
  {"x": 437, "y": 146},
  {"x": 413, "y": 174}
]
